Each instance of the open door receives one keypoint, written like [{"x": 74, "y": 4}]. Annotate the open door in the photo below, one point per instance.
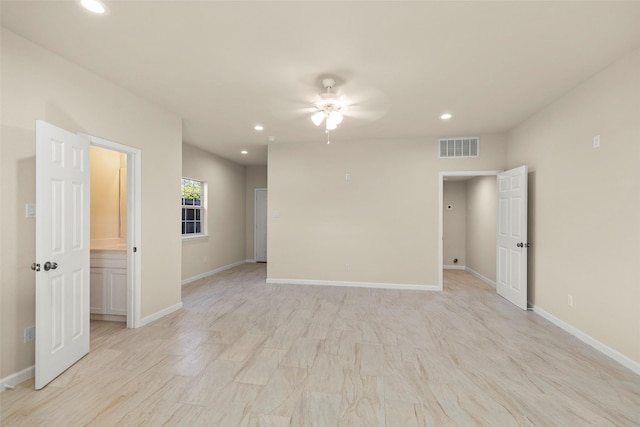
[
  {"x": 62, "y": 250},
  {"x": 511, "y": 239}
]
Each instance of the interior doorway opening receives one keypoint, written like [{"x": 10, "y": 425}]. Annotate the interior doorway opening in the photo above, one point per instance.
[
  {"x": 467, "y": 223},
  {"x": 119, "y": 265},
  {"x": 108, "y": 213}
]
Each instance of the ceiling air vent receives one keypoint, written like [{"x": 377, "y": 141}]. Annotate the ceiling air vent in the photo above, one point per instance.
[{"x": 460, "y": 148}]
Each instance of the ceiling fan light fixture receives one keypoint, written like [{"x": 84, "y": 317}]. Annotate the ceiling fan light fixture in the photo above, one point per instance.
[
  {"x": 331, "y": 124},
  {"x": 94, "y": 6},
  {"x": 318, "y": 117},
  {"x": 336, "y": 117}
]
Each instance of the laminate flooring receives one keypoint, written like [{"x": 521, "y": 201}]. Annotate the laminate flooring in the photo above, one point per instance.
[{"x": 244, "y": 353}]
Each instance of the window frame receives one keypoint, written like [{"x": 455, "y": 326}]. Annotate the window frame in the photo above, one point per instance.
[{"x": 202, "y": 209}]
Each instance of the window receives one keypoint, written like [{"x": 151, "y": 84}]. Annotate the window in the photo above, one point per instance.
[{"x": 193, "y": 207}]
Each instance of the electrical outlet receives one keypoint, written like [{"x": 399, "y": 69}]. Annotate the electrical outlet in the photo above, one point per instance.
[
  {"x": 596, "y": 141},
  {"x": 347, "y": 267},
  {"x": 570, "y": 300},
  {"x": 29, "y": 333}
]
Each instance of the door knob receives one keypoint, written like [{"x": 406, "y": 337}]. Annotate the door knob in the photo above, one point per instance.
[
  {"x": 523, "y": 245},
  {"x": 50, "y": 266},
  {"x": 35, "y": 267}
]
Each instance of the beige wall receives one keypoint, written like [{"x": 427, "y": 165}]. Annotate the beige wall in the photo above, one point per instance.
[
  {"x": 255, "y": 177},
  {"x": 225, "y": 214},
  {"x": 37, "y": 84},
  {"x": 481, "y": 220},
  {"x": 454, "y": 222},
  {"x": 105, "y": 193},
  {"x": 383, "y": 222},
  {"x": 584, "y": 210}
]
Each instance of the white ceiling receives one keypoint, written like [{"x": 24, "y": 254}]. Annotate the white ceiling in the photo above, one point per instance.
[{"x": 224, "y": 66}]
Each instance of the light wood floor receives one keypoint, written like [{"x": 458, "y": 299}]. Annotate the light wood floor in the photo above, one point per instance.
[{"x": 243, "y": 353}]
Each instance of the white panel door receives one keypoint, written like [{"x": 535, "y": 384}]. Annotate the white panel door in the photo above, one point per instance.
[
  {"x": 260, "y": 225},
  {"x": 511, "y": 257},
  {"x": 62, "y": 250}
]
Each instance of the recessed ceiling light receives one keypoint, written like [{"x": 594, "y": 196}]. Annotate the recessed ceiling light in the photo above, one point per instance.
[
  {"x": 244, "y": 152},
  {"x": 258, "y": 127},
  {"x": 94, "y": 6},
  {"x": 446, "y": 116}
]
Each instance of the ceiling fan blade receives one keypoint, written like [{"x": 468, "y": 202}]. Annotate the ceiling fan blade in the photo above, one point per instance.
[
  {"x": 363, "y": 103},
  {"x": 290, "y": 109},
  {"x": 369, "y": 115}
]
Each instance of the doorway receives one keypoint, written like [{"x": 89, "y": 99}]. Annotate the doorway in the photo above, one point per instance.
[
  {"x": 467, "y": 221},
  {"x": 108, "y": 235},
  {"x": 63, "y": 246},
  {"x": 110, "y": 270},
  {"x": 510, "y": 244}
]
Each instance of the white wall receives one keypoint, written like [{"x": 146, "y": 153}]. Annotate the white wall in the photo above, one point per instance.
[
  {"x": 584, "y": 210},
  {"x": 454, "y": 223},
  {"x": 37, "y": 84},
  {"x": 383, "y": 222},
  {"x": 224, "y": 244},
  {"x": 481, "y": 222},
  {"x": 105, "y": 191}
]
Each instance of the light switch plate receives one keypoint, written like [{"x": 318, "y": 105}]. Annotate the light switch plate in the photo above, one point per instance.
[{"x": 30, "y": 210}]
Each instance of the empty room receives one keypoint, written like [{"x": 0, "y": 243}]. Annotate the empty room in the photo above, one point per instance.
[{"x": 344, "y": 213}]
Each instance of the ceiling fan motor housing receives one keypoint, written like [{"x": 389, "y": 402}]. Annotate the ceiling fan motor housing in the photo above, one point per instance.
[
  {"x": 329, "y": 103},
  {"x": 328, "y": 83}
]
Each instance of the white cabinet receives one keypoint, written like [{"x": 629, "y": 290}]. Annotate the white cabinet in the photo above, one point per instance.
[{"x": 109, "y": 284}]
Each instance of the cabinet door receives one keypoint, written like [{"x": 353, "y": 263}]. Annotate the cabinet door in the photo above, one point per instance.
[
  {"x": 98, "y": 291},
  {"x": 117, "y": 291}
]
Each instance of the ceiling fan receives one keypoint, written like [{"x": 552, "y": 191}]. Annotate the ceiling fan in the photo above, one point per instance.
[
  {"x": 339, "y": 102},
  {"x": 329, "y": 108}
]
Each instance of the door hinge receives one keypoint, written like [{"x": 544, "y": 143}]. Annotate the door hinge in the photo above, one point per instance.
[
  {"x": 135, "y": 249},
  {"x": 35, "y": 267}
]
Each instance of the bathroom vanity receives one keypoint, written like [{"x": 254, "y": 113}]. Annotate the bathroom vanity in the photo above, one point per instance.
[{"x": 108, "y": 295}]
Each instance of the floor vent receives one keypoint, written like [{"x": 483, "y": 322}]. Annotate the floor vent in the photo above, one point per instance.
[{"x": 460, "y": 148}]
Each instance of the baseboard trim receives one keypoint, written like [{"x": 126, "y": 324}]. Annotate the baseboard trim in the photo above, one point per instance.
[
  {"x": 481, "y": 277},
  {"x": 15, "y": 379},
  {"x": 211, "y": 272},
  {"x": 108, "y": 317},
  {"x": 601, "y": 347},
  {"x": 157, "y": 315},
  {"x": 454, "y": 267},
  {"x": 402, "y": 286}
]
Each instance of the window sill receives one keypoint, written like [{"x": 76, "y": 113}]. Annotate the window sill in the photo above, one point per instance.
[{"x": 190, "y": 237}]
